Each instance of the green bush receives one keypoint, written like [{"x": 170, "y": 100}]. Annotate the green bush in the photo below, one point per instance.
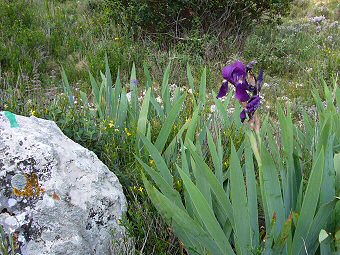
[
  {"x": 295, "y": 52},
  {"x": 178, "y": 16},
  {"x": 22, "y": 38}
]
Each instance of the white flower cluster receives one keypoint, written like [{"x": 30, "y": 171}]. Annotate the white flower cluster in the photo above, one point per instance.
[
  {"x": 317, "y": 19},
  {"x": 212, "y": 108},
  {"x": 285, "y": 99},
  {"x": 159, "y": 100}
]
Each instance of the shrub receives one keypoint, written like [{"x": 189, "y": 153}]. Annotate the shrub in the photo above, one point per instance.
[
  {"x": 21, "y": 36},
  {"x": 176, "y": 17}
]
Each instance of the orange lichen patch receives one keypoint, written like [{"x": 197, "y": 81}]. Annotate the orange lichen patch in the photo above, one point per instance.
[
  {"x": 32, "y": 189},
  {"x": 55, "y": 196}
]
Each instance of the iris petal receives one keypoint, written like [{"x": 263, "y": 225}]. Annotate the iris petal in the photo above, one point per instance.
[
  {"x": 253, "y": 104},
  {"x": 235, "y": 72},
  {"x": 243, "y": 115},
  {"x": 241, "y": 93},
  {"x": 251, "y": 65},
  {"x": 223, "y": 90}
]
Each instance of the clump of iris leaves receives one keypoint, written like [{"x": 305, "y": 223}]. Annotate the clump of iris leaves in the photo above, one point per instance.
[{"x": 224, "y": 182}]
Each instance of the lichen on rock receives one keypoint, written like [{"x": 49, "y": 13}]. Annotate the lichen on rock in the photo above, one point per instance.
[{"x": 27, "y": 186}]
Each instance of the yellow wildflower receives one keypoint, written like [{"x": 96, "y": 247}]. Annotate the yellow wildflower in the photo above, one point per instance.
[
  {"x": 141, "y": 189},
  {"x": 151, "y": 162},
  {"x": 34, "y": 113},
  {"x": 127, "y": 132},
  {"x": 5, "y": 106},
  {"x": 111, "y": 125}
]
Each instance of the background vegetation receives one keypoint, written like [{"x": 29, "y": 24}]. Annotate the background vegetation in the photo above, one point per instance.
[{"x": 297, "y": 45}]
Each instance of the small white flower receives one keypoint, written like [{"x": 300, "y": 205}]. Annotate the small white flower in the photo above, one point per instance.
[
  {"x": 231, "y": 110},
  {"x": 265, "y": 85},
  {"x": 334, "y": 24},
  {"x": 309, "y": 70},
  {"x": 190, "y": 91},
  {"x": 212, "y": 108},
  {"x": 173, "y": 87},
  {"x": 159, "y": 99}
]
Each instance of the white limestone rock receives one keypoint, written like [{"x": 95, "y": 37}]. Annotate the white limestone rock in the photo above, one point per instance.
[{"x": 56, "y": 196}]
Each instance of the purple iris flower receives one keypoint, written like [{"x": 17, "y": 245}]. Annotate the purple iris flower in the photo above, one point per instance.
[
  {"x": 251, "y": 107},
  {"x": 237, "y": 74}
]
